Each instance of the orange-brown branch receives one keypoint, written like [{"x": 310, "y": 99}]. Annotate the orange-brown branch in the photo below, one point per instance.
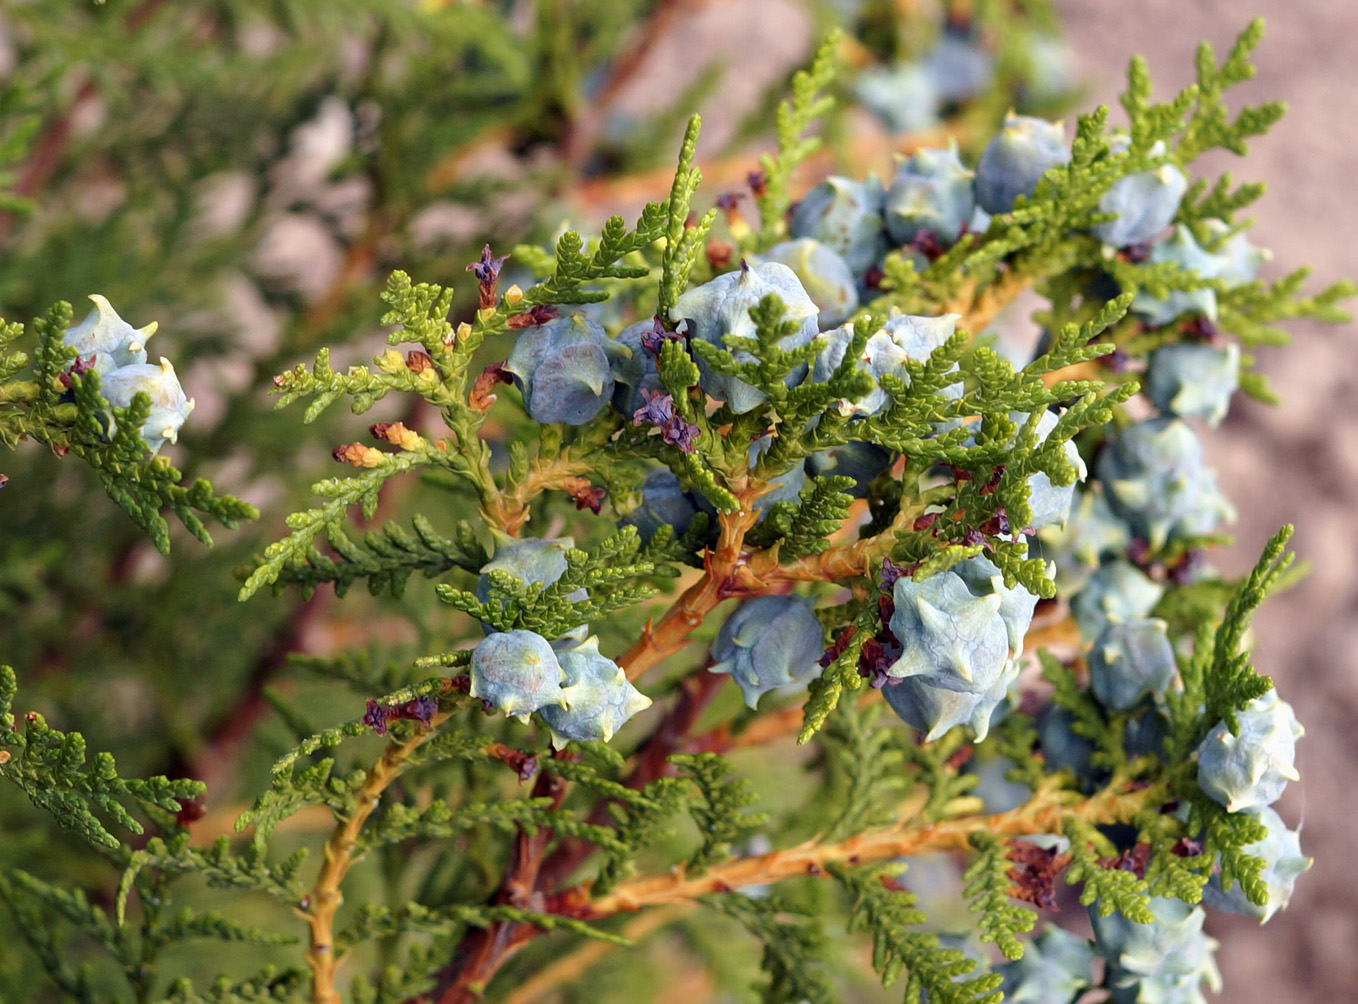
[
  {"x": 508, "y": 509},
  {"x": 1044, "y": 813},
  {"x": 325, "y": 896},
  {"x": 724, "y": 575}
]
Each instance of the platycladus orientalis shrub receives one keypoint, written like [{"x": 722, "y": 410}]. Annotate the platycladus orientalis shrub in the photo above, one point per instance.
[{"x": 753, "y": 467}]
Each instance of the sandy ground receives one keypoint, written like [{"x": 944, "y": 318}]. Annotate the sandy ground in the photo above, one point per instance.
[{"x": 1294, "y": 463}]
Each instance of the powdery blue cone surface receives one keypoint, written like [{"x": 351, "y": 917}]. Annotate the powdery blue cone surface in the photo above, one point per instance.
[
  {"x": 901, "y": 337},
  {"x": 1182, "y": 250},
  {"x": 1235, "y": 261},
  {"x": 598, "y": 697},
  {"x": 517, "y": 672},
  {"x": 1060, "y": 745},
  {"x": 786, "y": 487},
  {"x": 1172, "y": 945},
  {"x": 108, "y": 338},
  {"x": 768, "y": 642},
  {"x": 563, "y": 369},
  {"x": 1118, "y": 591},
  {"x": 823, "y": 273},
  {"x": 1049, "y": 502},
  {"x": 949, "y": 637},
  {"x": 935, "y": 710},
  {"x": 531, "y": 560},
  {"x": 1016, "y": 158},
  {"x": 1191, "y": 379},
  {"x": 1283, "y": 864},
  {"x": 1154, "y": 477},
  {"x": 1145, "y": 202},
  {"x": 633, "y": 370},
  {"x": 1249, "y": 771},
  {"x": 1129, "y": 661},
  {"x": 721, "y": 307},
  {"x": 1091, "y": 533},
  {"x": 860, "y": 461},
  {"x": 931, "y": 192},
  {"x": 1055, "y": 968},
  {"x": 1145, "y": 733},
  {"x": 1016, "y": 607},
  {"x": 664, "y": 502},
  {"x": 169, "y": 405},
  {"x": 959, "y": 68},
  {"x": 903, "y": 95},
  {"x": 1185, "y": 988},
  {"x": 846, "y": 215},
  {"x": 996, "y": 792}
]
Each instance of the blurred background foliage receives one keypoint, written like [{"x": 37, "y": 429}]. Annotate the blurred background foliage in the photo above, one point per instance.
[{"x": 248, "y": 173}]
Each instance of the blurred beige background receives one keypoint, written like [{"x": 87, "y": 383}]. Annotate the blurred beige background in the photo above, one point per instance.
[{"x": 1297, "y": 462}]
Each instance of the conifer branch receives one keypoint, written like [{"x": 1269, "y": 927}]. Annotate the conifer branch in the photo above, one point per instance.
[
  {"x": 725, "y": 574},
  {"x": 507, "y": 508},
  {"x": 325, "y": 897},
  {"x": 1043, "y": 813}
]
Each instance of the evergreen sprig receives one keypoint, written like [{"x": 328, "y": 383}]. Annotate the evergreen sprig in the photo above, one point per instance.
[
  {"x": 683, "y": 242},
  {"x": 68, "y": 412},
  {"x": 882, "y": 907},
  {"x": 804, "y": 527},
  {"x": 340, "y": 494},
  {"x": 792, "y": 947},
  {"x": 607, "y": 574},
  {"x": 1112, "y": 888},
  {"x": 51, "y": 768},
  {"x": 865, "y": 765},
  {"x": 1209, "y": 126},
  {"x": 640, "y": 820},
  {"x": 337, "y": 734},
  {"x": 223, "y": 868},
  {"x": 794, "y": 117},
  {"x": 31, "y": 902},
  {"x": 1169, "y": 870},
  {"x": 1087, "y": 718},
  {"x": 435, "y": 807},
  {"x": 1231, "y": 681},
  {"x": 1224, "y": 837},
  {"x": 375, "y": 922},
  {"x": 387, "y": 558},
  {"x": 441, "y": 820},
  {"x": 268, "y": 985},
  {"x": 414, "y": 973},
  {"x": 574, "y": 267},
  {"x": 825, "y": 691},
  {"x": 289, "y": 793},
  {"x": 987, "y": 891},
  {"x": 720, "y": 816}
]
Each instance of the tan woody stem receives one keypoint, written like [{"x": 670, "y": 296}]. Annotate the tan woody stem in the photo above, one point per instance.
[
  {"x": 725, "y": 574},
  {"x": 508, "y": 509},
  {"x": 978, "y": 307},
  {"x": 1043, "y": 813},
  {"x": 325, "y": 897}
]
